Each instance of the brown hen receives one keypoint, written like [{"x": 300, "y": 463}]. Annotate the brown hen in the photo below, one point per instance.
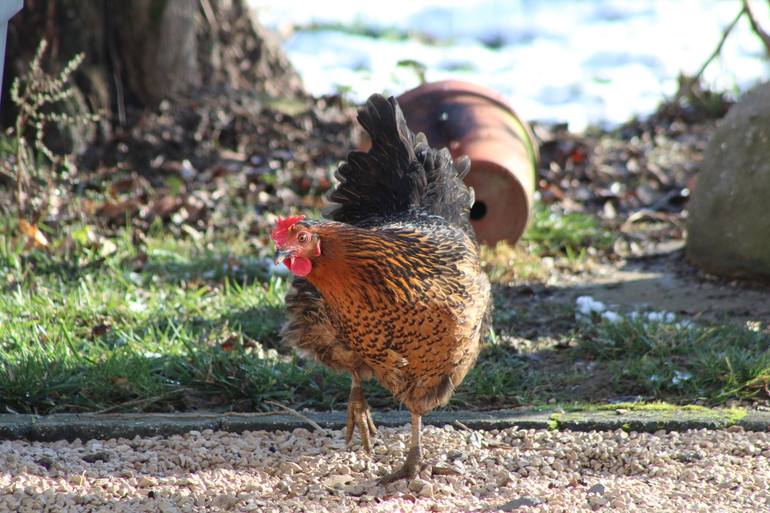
[{"x": 390, "y": 286}]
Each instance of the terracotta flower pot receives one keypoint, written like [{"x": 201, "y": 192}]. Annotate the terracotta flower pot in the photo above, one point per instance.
[{"x": 475, "y": 121}]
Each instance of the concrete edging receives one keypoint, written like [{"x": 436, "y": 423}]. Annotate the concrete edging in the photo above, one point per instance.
[{"x": 104, "y": 426}]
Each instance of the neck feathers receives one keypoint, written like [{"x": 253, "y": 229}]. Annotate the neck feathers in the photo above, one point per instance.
[{"x": 353, "y": 263}]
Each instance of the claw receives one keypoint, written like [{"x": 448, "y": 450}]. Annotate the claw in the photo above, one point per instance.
[
  {"x": 404, "y": 472},
  {"x": 409, "y": 470},
  {"x": 359, "y": 416},
  {"x": 413, "y": 463},
  {"x": 439, "y": 470}
]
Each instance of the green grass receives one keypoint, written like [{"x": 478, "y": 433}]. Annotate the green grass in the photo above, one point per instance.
[
  {"x": 181, "y": 324},
  {"x": 569, "y": 234},
  {"x": 713, "y": 363},
  {"x": 569, "y": 237}
]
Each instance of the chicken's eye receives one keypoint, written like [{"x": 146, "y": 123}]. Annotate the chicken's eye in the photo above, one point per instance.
[{"x": 303, "y": 237}]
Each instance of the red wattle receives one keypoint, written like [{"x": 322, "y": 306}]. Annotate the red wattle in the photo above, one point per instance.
[{"x": 300, "y": 266}]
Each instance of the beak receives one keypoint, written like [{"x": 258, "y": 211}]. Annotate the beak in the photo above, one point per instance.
[{"x": 282, "y": 255}]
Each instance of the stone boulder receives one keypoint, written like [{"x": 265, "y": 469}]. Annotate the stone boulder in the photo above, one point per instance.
[{"x": 729, "y": 211}]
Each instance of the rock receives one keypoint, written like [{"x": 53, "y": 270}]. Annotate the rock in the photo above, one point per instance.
[
  {"x": 597, "y": 489},
  {"x": 145, "y": 482},
  {"x": 96, "y": 456},
  {"x": 167, "y": 507},
  {"x": 417, "y": 484},
  {"x": 521, "y": 502},
  {"x": 596, "y": 501},
  {"x": 729, "y": 222},
  {"x": 337, "y": 481},
  {"x": 426, "y": 491},
  {"x": 503, "y": 478},
  {"x": 357, "y": 490},
  {"x": 77, "y": 479},
  {"x": 475, "y": 439}
]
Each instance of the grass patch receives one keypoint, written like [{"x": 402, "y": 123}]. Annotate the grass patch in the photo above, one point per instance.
[
  {"x": 566, "y": 233},
  {"x": 713, "y": 363},
  {"x": 179, "y": 323},
  {"x": 569, "y": 237},
  {"x": 648, "y": 406},
  {"x": 79, "y": 331},
  {"x": 505, "y": 263}
]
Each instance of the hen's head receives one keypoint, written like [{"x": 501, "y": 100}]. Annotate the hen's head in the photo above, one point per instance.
[{"x": 297, "y": 243}]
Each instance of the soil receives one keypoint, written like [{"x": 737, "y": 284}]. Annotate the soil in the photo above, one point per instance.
[
  {"x": 666, "y": 282},
  {"x": 638, "y": 179}
]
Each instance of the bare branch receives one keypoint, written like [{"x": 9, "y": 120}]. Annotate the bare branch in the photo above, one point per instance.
[
  {"x": 764, "y": 36},
  {"x": 687, "y": 84},
  {"x": 298, "y": 415}
]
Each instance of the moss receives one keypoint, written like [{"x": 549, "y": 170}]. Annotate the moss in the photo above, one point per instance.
[
  {"x": 695, "y": 407},
  {"x": 554, "y": 422},
  {"x": 642, "y": 406},
  {"x": 666, "y": 412},
  {"x": 734, "y": 415}
]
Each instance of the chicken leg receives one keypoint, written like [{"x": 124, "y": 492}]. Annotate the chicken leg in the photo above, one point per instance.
[
  {"x": 413, "y": 463},
  {"x": 359, "y": 416}
]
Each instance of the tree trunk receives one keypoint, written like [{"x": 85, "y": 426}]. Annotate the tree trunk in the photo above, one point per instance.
[
  {"x": 158, "y": 46},
  {"x": 141, "y": 52}
]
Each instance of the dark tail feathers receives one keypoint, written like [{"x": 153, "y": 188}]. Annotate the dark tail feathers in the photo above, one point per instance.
[{"x": 399, "y": 173}]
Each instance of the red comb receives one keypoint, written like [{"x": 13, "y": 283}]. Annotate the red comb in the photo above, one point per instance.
[{"x": 280, "y": 233}]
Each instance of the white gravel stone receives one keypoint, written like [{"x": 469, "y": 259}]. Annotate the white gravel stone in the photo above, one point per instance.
[{"x": 696, "y": 471}]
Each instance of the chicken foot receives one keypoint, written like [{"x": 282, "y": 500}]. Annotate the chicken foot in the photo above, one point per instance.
[
  {"x": 413, "y": 463},
  {"x": 359, "y": 416}
]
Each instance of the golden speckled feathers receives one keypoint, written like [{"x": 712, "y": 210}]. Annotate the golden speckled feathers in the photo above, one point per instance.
[
  {"x": 408, "y": 299},
  {"x": 398, "y": 291}
]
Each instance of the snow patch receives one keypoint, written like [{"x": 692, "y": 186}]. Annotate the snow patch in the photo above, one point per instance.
[
  {"x": 598, "y": 62},
  {"x": 587, "y": 308}
]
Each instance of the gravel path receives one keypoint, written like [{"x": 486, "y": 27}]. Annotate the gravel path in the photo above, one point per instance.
[{"x": 509, "y": 470}]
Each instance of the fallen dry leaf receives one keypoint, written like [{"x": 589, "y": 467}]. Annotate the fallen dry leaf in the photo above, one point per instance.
[
  {"x": 229, "y": 344},
  {"x": 35, "y": 238},
  {"x": 166, "y": 205},
  {"x": 100, "y": 329},
  {"x": 117, "y": 212}
]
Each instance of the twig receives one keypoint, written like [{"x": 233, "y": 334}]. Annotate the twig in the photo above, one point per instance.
[
  {"x": 210, "y": 15},
  {"x": 112, "y": 48},
  {"x": 142, "y": 402},
  {"x": 651, "y": 214},
  {"x": 764, "y": 36},
  {"x": 298, "y": 415},
  {"x": 462, "y": 426},
  {"x": 687, "y": 84}
]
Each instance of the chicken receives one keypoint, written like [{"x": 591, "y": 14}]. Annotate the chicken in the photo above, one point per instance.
[{"x": 390, "y": 286}]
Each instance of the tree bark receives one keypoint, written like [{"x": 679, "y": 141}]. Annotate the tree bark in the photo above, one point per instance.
[
  {"x": 141, "y": 52},
  {"x": 158, "y": 46}
]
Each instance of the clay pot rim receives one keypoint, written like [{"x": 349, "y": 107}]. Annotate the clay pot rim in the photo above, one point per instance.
[
  {"x": 511, "y": 154},
  {"x": 501, "y": 170},
  {"x": 452, "y": 87}
]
